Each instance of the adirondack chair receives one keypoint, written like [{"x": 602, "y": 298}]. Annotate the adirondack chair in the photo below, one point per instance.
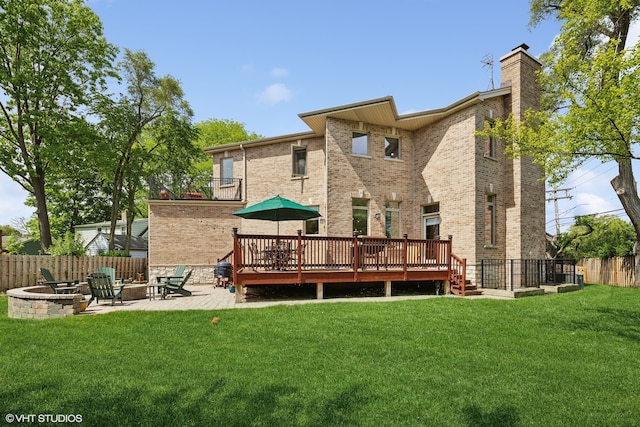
[
  {"x": 53, "y": 283},
  {"x": 175, "y": 278},
  {"x": 111, "y": 272},
  {"x": 178, "y": 288},
  {"x": 101, "y": 287}
]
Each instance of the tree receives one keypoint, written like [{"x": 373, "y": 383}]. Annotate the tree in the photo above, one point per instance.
[
  {"x": 608, "y": 237},
  {"x": 53, "y": 60},
  {"x": 591, "y": 98},
  {"x": 148, "y": 99},
  {"x": 218, "y": 132}
]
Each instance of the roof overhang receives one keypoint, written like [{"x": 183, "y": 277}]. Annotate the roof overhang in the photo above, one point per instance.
[
  {"x": 383, "y": 112},
  {"x": 380, "y": 111}
]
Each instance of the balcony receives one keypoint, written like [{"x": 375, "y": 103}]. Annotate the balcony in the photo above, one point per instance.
[{"x": 227, "y": 189}]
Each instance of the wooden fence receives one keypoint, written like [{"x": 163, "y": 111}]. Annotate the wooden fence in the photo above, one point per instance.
[
  {"x": 616, "y": 271},
  {"x": 18, "y": 271}
]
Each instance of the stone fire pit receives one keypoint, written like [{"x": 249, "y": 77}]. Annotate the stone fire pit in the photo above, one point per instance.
[{"x": 39, "y": 302}]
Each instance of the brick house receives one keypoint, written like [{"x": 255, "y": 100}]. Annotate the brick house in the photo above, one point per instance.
[{"x": 367, "y": 168}]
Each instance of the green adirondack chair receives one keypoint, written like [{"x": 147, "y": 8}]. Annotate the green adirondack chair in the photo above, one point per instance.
[
  {"x": 111, "y": 272},
  {"x": 168, "y": 287},
  {"x": 101, "y": 286},
  {"x": 52, "y": 282},
  {"x": 175, "y": 278}
]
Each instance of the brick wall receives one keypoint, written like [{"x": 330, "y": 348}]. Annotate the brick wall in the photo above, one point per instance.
[
  {"x": 369, "y": 177},
  {"x": 195, "y": 233}
]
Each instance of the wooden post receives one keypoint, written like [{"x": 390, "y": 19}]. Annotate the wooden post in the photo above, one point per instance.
[
  {"x": 299, "y": 256},
  {"x": 405, "y": 249},
  {"x": 319, "y": 290},
  {"x": 236, "y": 256},
  {"x": 356, "y": 256}
]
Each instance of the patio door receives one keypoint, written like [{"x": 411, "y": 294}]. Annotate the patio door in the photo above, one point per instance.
[{"x": 431, "y": 221}]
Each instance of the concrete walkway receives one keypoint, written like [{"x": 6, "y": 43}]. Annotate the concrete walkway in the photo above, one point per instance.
[{"x": 206, "y": 297}]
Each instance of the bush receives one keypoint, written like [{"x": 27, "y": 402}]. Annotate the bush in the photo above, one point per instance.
[{"x": 69, "y": 244}]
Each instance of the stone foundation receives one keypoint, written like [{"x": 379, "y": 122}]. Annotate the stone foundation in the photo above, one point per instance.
[{"x": 36, "y": 302}]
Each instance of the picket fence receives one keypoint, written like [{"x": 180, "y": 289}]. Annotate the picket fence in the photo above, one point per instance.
[
  {"x": 18, "y": 271},
  {"x": 615, "y": 271}
]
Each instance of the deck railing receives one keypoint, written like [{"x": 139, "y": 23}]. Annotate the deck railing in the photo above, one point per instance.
[{"x": 303, "y": 253}]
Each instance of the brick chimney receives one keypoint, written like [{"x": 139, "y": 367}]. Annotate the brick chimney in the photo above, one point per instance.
[
  {"x": 518, "y": 69},
  {"x": 525, "y": 191}
]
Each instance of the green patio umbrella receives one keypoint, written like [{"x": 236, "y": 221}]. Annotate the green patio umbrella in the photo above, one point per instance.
[{"x": 277, "y": 209}]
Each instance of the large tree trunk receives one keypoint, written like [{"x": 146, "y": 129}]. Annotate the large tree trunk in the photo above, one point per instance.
[
  {"x": 42, "y": 212},
  {"x": 625, "y": 186}
]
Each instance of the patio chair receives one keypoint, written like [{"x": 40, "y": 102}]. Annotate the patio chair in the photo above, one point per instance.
[
  {"x": 168, "y": 287},
  {"x": 101, "y": 286},
  {"x": 52, "y": 282},
  {"x": 175, "y": 278},
  {"x": 111, "y": 272},
  {"x": 257, "y": 257}
]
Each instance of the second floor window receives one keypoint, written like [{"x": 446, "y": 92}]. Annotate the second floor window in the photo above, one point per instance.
[
  {"x": 391, "y": 148},
  {"x": 491, "y": 143},
  {"x": 360, "y": 143},
  {"x": 299, "y": 158},
  {"x": 226, "y": 171}
]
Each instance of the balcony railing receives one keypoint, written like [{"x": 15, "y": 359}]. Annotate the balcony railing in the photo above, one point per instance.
[
  {"x": 226, "y": 189},
  {"x": 218, "y": 189}
]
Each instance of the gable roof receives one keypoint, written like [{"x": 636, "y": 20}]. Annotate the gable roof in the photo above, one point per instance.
[
  {"x": 379, "y": 111},
  {"x": 138, "y": 243}
]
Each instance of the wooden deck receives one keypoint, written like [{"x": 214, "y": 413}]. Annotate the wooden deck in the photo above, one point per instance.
[{"x": 270, "y": 259}]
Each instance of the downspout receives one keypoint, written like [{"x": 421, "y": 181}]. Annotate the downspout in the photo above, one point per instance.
[{"x": 244, "y": 173}]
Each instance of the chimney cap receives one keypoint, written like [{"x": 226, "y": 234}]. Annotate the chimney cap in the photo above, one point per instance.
[{"x": 523, "y": 46}]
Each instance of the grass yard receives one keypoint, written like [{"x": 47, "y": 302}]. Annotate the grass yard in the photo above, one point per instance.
[{"x": 560, "y": 360}]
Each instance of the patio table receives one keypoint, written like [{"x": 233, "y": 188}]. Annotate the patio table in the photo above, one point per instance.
[{"x": 278, "y": 258}]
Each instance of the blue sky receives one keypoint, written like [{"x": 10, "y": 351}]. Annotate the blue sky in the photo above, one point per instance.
[{"x": 262, "y": 63}]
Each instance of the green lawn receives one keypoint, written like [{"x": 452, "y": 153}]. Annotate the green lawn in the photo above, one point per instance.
[{"x": 560, "y": 360}]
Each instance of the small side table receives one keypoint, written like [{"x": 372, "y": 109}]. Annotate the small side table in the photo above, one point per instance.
[{"x": 151, "y": 290}]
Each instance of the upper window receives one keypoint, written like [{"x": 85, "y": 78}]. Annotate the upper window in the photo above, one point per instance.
[
  {"x": 360, "y": 143},
  {"x": 226, "y": 171},
  {"x": 360, "y": 212},
  {"x": 392, "y": 219},
  {"x": 491, "y": 143},
  {"x": 391, "y": 148},
  {"x": 299, "y": 159}
]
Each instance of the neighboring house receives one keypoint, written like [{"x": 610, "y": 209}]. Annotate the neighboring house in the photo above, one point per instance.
[
  {"x": 94, "y": 245},
  {"x": 100, "y": 245},
  {"x": 368, "y": 169}
]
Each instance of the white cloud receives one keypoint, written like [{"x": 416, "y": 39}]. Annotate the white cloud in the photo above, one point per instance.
[
  {"x": 587, "y": 203},
  {"x": 246, "y": 68},
  {"x": 279, "y": 72},
  {"x": 275, "y": 94}
]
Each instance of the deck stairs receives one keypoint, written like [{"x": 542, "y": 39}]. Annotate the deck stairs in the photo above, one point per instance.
[{"x": 457, "y": 287}]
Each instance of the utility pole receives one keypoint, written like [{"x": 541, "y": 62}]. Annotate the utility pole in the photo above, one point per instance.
[{"x": 555, "y": 199}]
